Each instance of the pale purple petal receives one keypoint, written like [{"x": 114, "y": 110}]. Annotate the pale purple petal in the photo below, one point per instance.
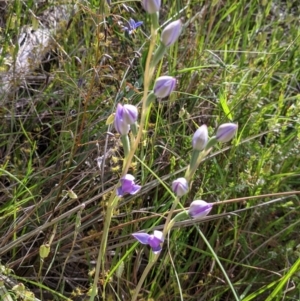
[
  {"x": 155, "y": 243},
  {"x": 151, "y": 6},
  {"x": 131, "y": 23},
  {"x": 143, "y": 238},
  {"x": 128, "y": 185},
  {"x": 159, "y": 235},
  {"x": 121, "y": 126},
  {"x": 135, "y": 189},
  {"x": 120, "y": 191},
  {"x": 130, "y": 114},
  {"x": 128, "y": 177},
  {"x": 154, "y": 240}
]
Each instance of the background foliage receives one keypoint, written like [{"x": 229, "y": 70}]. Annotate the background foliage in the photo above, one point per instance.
[{"x": 235, "y": 60}]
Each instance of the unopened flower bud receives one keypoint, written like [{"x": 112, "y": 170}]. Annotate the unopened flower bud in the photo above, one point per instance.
[
  {"x": 125, "y": 115},
  {"x": 199, "y": 209},
  {"x": 151, "y": 6},
  {"x": 171, "y": 33},
  {"x": 226, "y": 132},
  {"x": 164, "y": 86},
  {"x": 200, "y": 138},
  {"x": 121, "y": 126},
  {"x": 180, "y": 187},
  {"x": 130, "y": 113}
]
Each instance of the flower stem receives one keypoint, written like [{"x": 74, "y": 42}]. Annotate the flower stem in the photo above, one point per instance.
[
  {"x": 143, "y": 277},
  {"x": 155, "y": 257},
  {"x": 159, "y": 53},
  {"x": 149, "y": 70},
  {"x": 166, "y": 226},
  {"x": 192, "y": 168},
  {"x": 126, "y": 144},
  {"x": 113, "y": 201}
]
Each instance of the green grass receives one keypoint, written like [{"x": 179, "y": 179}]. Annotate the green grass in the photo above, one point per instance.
[{"x": 235, "y": 61}]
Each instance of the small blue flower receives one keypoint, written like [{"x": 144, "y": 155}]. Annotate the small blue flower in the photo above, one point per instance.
[
  {"x": 154, "y": 240},
  {"x": 132, "y": 26},
  {"x": 127, "y": 186}
]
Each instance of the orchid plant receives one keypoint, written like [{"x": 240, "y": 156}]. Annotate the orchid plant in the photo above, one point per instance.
[{"x": 131, "y": 131}]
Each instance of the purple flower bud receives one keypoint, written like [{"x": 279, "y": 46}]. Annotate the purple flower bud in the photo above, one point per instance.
[
  {"x": 226, "y": 132},
  {"x": 151, "y": 6},
  {"x": 125, "y": 115},
  {"x": 171, "y": 33},
  {"x": 121, "y": 125},
  {"x": 200, "y": 138},
  {"x": 199, "y": 209},
  {"x": 180, "y": 186},
  {"x": 154, "y": 240},
  {"x": 130, "y": 114},
  {"x": 127, "y": 186},
  {"x": 164, "y": 86}
]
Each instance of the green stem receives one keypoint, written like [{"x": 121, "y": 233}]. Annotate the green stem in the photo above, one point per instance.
[
  {"x": 150, "y": 99},
  {"x": 194, "y": 158},
  {"x": 149, "y": 70},
  {"x": 166, "y": 226},
  {"x": 143, "y": 277},
  {"x": 113, "y": 201},
  {"x": 183, "y": 215},
  {"x": 197, "y": 157},
  {"x": 154, "y": 20},
  {"x": 126, "y": 145},
  {"x": 212, "y": 142},
  {"x": 158, "y": 55},
  {"x": 193, "y": 167},
  {"x": 134, "y": 128},
  {"x": 219, "y": 263}
]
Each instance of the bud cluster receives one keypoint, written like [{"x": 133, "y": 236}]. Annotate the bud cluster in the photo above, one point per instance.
[{"x": 126, "y": 117}]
